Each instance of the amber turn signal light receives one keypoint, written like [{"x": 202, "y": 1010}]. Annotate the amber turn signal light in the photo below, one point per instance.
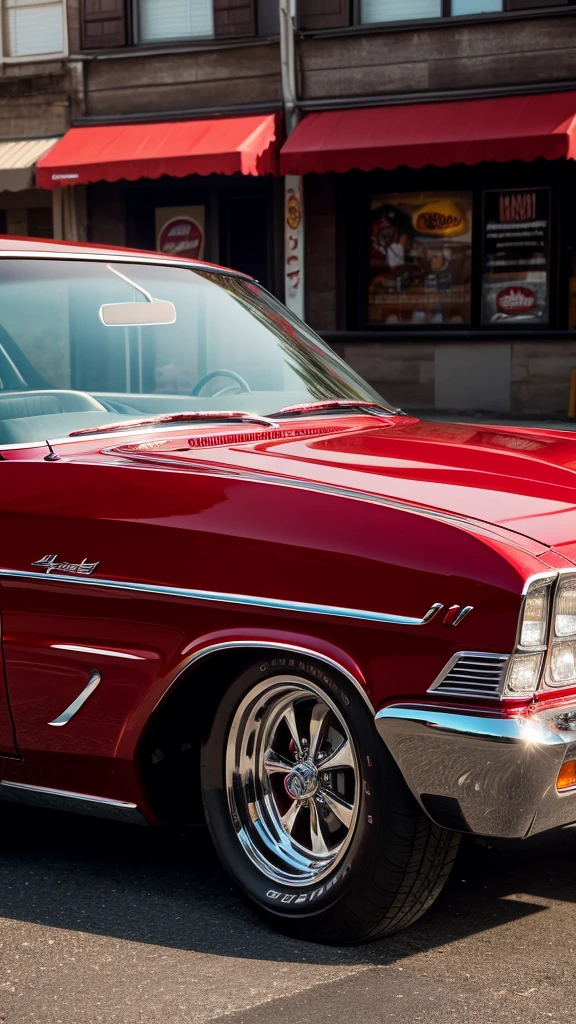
[{"x": 567, "y": 776}]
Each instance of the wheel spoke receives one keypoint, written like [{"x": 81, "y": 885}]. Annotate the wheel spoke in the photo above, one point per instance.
[
  {"x": 290, "y": 719},
  {"x": 274, "y": 763},
  {"x": 342, "y": 757},
  {"x": 316, "y": 838},
  {"x": 343, "y": 810},
  {"x": 317, "y": 722},
  {"x": 289, "y": 819}
]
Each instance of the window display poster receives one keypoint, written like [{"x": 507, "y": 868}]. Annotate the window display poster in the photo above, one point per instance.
[
  {"x": 516, "y": 255},
  {"x": 180, "y": 231},
  {"x": 420, "y": 258}
]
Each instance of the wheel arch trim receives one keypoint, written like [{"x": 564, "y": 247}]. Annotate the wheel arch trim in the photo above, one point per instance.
[{"x": 231, "y": 644}]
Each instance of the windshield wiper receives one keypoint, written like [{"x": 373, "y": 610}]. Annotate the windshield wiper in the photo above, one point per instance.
[
  {"x": 178, "y": 417},
  {"x": 326, "y": 405}
]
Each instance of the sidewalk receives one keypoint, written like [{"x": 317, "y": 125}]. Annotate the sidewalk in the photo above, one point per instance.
[{"x": 504, "y": 421}]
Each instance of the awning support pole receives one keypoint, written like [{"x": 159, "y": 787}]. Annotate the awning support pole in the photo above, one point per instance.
[{"x": 293, "y": 184}]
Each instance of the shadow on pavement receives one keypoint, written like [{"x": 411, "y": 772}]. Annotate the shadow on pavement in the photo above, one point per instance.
[{"x": 167, "y": 889}]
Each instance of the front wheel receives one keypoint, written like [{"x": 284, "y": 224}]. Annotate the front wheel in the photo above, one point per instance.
[{"x": 309, "y": 813}]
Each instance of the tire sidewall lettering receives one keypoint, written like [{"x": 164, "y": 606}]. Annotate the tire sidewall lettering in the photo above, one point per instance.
[{"x": 316, "y": 897}]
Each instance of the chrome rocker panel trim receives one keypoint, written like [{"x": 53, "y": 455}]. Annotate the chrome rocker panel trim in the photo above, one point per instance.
[
  {"x": 218, "y": 597},
  {"x": 64, "y": 800},
  {"x": 483, "y": 772},
  {"x": 74, "y": 707}
]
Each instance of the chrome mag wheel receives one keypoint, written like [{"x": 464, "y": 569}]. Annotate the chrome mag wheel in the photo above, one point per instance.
[{"x": 292, "y": 779}]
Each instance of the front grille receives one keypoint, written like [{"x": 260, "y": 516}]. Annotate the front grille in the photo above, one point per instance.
[{"x": 471, "y": 674}]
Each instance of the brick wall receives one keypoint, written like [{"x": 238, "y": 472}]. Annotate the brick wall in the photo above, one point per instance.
[{"x": 541, "y": 376}]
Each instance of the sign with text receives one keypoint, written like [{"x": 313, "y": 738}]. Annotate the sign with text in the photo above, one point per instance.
[
  {"x": 180, "y": 231},
  {"x": 515, "y": 277}
]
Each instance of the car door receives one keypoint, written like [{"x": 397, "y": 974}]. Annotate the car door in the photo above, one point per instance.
[{"x": 7, "y": 744}]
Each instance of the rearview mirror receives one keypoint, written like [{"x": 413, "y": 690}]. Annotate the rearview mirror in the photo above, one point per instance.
[{"x": 138, "y": 314}]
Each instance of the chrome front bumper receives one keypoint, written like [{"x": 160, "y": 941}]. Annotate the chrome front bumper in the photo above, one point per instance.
[{"x": 482, "y": 772}]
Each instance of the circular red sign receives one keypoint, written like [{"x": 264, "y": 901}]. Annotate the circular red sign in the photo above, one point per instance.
[
  {"x": 182, "y": 236},
  {"x": 516, "y": 298}
]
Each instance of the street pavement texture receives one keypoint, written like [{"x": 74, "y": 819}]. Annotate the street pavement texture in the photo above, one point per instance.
[{"x": 120, "y": 924}]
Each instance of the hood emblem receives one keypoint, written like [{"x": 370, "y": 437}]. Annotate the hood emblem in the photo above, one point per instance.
[{"x": 51, "y": 564}]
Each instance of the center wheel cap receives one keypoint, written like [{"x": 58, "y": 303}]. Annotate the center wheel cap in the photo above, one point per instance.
[{"x": 302, "y": 781}]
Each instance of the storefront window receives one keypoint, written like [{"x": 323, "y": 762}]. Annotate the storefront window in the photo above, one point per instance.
[
  {"x": 516, "y": 256},
  {"x": 374, "y": 11},
  {"x": 174, "y": 19},
  {"x": 398, "y": 10},
  {"x": 420, "y": 265},
  {"x": 476, "y": 6},
  {"x": 32, "y": 27}
]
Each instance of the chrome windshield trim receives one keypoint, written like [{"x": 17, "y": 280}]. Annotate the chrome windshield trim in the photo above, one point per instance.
[
  {"x": 112, "y": 257},
  {"x": 221, "y": 597},
  {"x": 74, "y": 707},
  {"x": 48, "y": 791}
]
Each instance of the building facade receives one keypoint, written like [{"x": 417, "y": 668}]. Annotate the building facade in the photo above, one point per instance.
[{"x": 434, "y": 153}]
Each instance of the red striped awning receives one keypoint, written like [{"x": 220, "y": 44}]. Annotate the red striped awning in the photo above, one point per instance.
[
  {"x": 413, "y": 135},
  {"x": 234, "y": 145}
]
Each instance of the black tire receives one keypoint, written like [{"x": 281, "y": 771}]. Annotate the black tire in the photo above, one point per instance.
[{"x": 397, "y": 860}]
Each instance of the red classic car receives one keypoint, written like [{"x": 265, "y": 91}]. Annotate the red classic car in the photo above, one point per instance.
[{"x": 236, "y": 585}]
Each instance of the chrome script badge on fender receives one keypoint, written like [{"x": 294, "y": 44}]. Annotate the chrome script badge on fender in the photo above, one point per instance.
[{"x": 51, "y": 564}]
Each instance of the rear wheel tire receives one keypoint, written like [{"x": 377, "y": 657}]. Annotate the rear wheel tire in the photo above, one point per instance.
[{"x": 308, "y": 811}]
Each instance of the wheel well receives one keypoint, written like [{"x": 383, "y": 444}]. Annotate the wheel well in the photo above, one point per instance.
[{"x": 170, "y": 746}]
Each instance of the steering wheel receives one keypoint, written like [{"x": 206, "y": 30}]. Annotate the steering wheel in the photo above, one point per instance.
[{"x": 244, "y": 386}]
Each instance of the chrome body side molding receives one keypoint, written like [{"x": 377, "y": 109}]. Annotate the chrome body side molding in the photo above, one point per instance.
[
  {"x": 218, "y": 597},
  {"x": 105, "y": 652},
  {"x": 484, "y": 772},
  {"x": 65, "y": 800},
  {"x": 81, "y": 699}
]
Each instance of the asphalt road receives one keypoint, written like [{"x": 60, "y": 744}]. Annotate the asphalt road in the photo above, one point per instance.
[{"x": 118, "y": 924}]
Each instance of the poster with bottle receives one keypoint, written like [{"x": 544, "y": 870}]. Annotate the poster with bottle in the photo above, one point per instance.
[
  {"x": 420, "y": 265},
  {"x": 180, "y": 231},
  {"x": 516, "y": 255}
]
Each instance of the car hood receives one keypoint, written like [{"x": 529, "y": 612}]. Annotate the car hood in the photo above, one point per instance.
[{"x": 521, "y": 479}]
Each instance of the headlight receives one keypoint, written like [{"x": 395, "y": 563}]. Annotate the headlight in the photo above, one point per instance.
[
  {"x": 563, "y": 663},
  {"x": 561, "y": 668},
  {"x": 535, "y": 617},
  {"x": 565, "y": 607},
  {"x": 523, "y": 674},
  {"x": 525, "y": 665}
]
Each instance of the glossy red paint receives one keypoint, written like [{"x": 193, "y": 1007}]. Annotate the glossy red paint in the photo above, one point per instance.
[{"x": 385, "y": 515}]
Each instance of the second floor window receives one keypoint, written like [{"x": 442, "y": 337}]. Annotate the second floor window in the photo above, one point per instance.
[
  {"x": 372, "y": 11},
  {"x": 174, "y": 19},
  {"x": 32, "y": 28}
]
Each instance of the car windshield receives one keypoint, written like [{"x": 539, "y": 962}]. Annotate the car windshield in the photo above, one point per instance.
[{"x": 86, "y": 343}]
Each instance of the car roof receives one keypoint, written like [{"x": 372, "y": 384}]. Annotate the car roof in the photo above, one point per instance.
[{"x": 17, "y": 245}]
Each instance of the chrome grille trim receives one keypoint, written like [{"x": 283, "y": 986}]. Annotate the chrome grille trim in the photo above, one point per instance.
[{"x": 472, "y": 674}]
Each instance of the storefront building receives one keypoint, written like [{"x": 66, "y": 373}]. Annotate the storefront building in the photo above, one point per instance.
[
  {"x": 175, "y": 130},
  {"x": 439, "y": 182},
  {"x": 200, "y": 189},
  {"x": 420, "y": 216}
]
